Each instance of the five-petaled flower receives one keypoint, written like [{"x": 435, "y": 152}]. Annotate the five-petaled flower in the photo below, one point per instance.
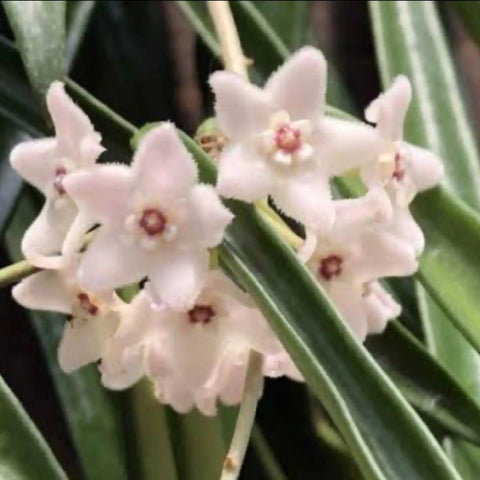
[
  {"x": 197, "y": 354},
  {"x": 402, "y": 168},
  {"x": 282, "y": 145},
  {"x": 357, "y": 251},
  {"x": 44, "y": 164},
  {"x": 93, "y": 318},
  {"x": 155, "y": 220}
]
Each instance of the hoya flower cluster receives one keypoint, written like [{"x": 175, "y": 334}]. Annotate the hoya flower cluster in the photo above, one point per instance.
[{"x": 189, "y": 327}]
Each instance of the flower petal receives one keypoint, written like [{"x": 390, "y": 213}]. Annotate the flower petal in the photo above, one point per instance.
[
  {"x": 177, "y": 277},
  {"x": 306, "y": 198},
  {"x": 207, "y": 219},
  {"x": 380, "y": 307},
  {"x": 71, "y": 124},
  {"x": 33, "y": 161},
  {"x": 162, "y": 165},
  {"x": 243, "y": 174},
  {"x": 241, "y": 108},
  {"x": 383, "y": 255},
  {"x": 406, "y": 228},
  {"x": 110, "y": 263},
  {"x": 119, "y": 371},
  {"x": 299, "y": 85},
  {"x": 363, "y": 147},
  {"x": 389, "y": 109},
  {"x": 348, "y": 300},
  {"x": 84, "y": 340},
  {"x": 46, "y": 234},
  {"x": 44, "y": 291},
  {"x": 279, "y": 365},
  {"x": 101, "y": 192},
  {"x": 425, "y": 168}
]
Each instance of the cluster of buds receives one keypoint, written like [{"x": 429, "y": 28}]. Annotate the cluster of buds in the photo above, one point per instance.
[{"x": 189, "y": 327}]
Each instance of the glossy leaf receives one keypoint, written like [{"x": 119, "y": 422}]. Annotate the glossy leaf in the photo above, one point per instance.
[
  {"x": 371, "y": 415},
  {"x": 24, "y": 455},
  {"x": 78, "y": 15},
  {"x": 425, "y": 383},
  {"x": 415, "y": 44},
  {"x": 39, "y": 29}
]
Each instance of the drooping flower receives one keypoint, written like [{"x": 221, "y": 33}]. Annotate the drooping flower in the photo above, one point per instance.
[
  {"x": 44, "y": 164},
  {"x": 404, "y": 169},
  {"x": 199, "y": 354},
  {"x": 93, "y": 318},
  {"x": 156, "y": 221},
  {"x": 357, "y": 251},
  {"x": 281, "y": 143}
]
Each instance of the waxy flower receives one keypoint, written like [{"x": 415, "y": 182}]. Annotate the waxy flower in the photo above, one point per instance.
[
  {"x": 402, "y": 168},
  {"x": 93, "y": 318},
  {"x": 357, "y": 251},
  {"x": 156, "y": 221},
  {"x": 195, "y": 355},
  {"x": 380, "y": 307},
  {"x": 280, "y": 142},
  {"x": 44, "y": 164}
]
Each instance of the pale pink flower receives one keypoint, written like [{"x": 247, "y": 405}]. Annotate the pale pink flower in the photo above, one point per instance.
[
  {"x": 93, "y": 318},
  {"x": 280, "y": 142},
  {"x": 357, "y": 251},
  {"x": 197, "y": 355},
  {"x": 156, "y": 221},
  {"x": 404, "y": 169},
  {"x": 44, "y": 164},
  {"x": 380, "y": 307}
]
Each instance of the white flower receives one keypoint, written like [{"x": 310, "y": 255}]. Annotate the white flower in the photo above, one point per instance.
[
  {"x": 44, "y": 164},
  {"x": 380, "y": 307},
  {"x": 93, "y": 318},
  {"x": 282, "y": 145},
  {"x": 357, "y": 251},
  {"x": 156, "y": 221},
  {"x": 402, "y": 168},
  {"x": 196, "y": 355}
]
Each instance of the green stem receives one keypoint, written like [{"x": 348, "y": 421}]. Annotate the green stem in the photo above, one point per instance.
[
  {"x": 266, "y": 456},
  {"x": 101, "y": 107},
  {"x": 246, "y": 416},
  {"x": 15, "y": 272}
]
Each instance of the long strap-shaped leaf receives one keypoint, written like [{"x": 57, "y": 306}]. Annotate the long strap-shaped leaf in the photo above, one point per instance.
[
  {"x": 39, "y": 29},
  {"x": 385, "y": 435},
  {"x": 24, "y": 455},
  {"x": 409, "y": 39}
]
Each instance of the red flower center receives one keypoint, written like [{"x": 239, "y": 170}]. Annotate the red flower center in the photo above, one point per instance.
[
  {"x": 153, "y": 221},
  {"x": 86, "y": 304},
  {"x": 60, "y": 173},
  {"x": 201, "y": 314},
  {"x": 399, "y": 171},
  {"x": 288, "y": 139},
  {"x": 330, "y": 267}
]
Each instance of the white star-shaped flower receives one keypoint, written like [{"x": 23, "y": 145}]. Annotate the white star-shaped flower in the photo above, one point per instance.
[
  {"x": 155, "y": 220},
  {"x": 44, "y": 164},
  {"x": 404, "y": 169},
  {"x": 280, "y": 142},
  {"x": 196, "y": 355},
  {"x": 93, "y": 318},
  {"x": 357, "y": 251}
]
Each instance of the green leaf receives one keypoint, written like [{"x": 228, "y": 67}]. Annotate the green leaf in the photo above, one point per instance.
[
  {"x": 425, "y": 383},
  {"x": 92, "y": 417},
  {"x": 39, "y": 29},
  {"x": 78, "y": 15},
  {"x": 24, "y": 455},
  {"x": 410, "y": 39},
  {"x": 386, "y": 437},
  {"x": 151, "y": 436}
]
